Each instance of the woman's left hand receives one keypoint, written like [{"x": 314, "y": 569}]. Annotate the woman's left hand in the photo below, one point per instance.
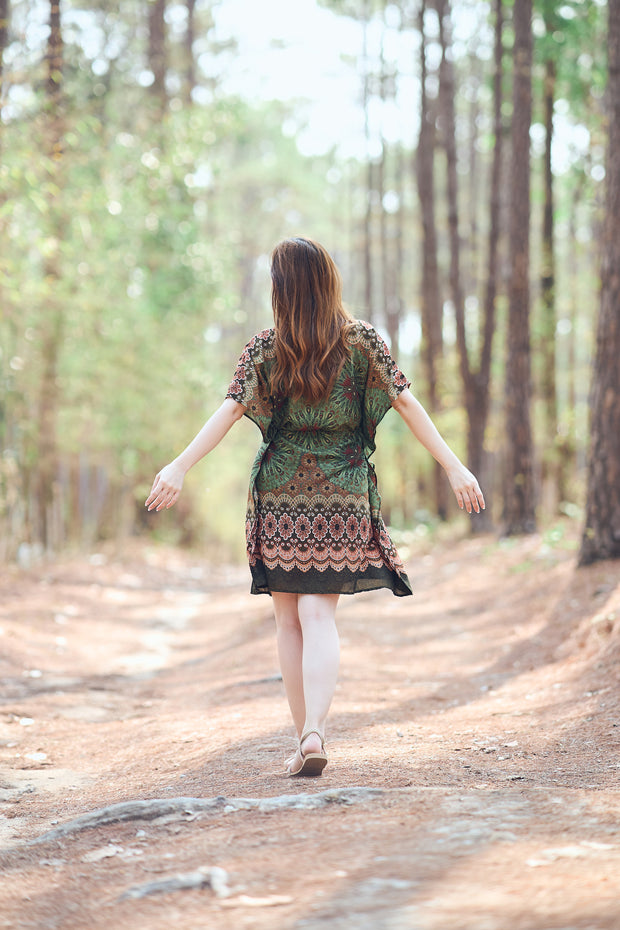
[{"x": 466, "y": 488}]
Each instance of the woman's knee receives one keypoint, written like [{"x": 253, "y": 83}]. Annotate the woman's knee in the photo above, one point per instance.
[
  {"x": 286, "y": 612},
  {"x": 317, "y": 608}
]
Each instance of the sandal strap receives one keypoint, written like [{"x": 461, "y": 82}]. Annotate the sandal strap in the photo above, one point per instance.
[{"x": 308, "y": 733}]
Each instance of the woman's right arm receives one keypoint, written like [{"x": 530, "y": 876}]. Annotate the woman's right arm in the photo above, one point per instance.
[{"x": 169, "y": 481}]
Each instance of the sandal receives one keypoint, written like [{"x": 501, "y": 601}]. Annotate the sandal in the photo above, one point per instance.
[{"x": 312, "y": 763}]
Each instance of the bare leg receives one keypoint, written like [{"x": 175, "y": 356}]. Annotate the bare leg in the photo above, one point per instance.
[
  {"x": 290, "y": 652},
  {"x": 321, "y": 658},
  {"x": 309, "y": 653}
]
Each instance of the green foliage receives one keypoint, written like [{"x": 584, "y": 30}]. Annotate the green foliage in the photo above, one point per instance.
[
  {"x": 159, "y": 229},
  {"x": 160, "y": 278}
]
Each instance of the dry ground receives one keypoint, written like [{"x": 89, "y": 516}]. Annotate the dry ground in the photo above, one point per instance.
[{"x": 474, "y": 764}]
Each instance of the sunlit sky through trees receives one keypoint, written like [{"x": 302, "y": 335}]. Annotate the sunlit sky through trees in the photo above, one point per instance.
[{"x": 303, "y": 52}]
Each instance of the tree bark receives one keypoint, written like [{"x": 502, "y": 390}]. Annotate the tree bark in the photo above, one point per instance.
[
  {"x": 472, "y": 265},
  {"x": 568, "y": 363},
  {"x": 547, "y": 278},
  {"x": 601, "y": 535},
  {"x": 446, "y": 97},
  {"x": 367, "y": 246},
  {"x": 432, "y": 345},
  {"x": 519, "y": 503},
  {"x": 547, "y": 352},
  {"x": 476, "y": 383},
  {"x": 432, "y": 311},
  {"x": 399, "y": 234},
  {"x": 190, "y": 63},
  {"x": 389, "y": 288},
  {"x": 4, "y": 427},
  {"x": 157, "y": 53},
  {"x": 52, "y": 314},
  {"x": 478, "y": 457},
  {"x": 4, "y": 37}
]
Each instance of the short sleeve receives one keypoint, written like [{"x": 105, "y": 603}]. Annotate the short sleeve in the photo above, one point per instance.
[
  {"x": 380, "y": 377},
  {"x": 250, "y": 382}
]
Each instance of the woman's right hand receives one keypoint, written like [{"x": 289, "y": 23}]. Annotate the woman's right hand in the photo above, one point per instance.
[{"x": 166, "y": 487}]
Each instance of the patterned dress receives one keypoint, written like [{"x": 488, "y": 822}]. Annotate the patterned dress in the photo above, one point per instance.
[{"x": 313, "y": 523}]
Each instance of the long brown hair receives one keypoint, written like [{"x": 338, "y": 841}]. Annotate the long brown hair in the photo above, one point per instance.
[{"x": 310, "y": 321}]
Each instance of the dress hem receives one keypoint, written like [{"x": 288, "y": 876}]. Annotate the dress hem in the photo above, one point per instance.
[{"x": 281, "y": 581}]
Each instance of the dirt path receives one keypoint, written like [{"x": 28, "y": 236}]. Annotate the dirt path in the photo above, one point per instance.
[{"x": 474, "y": 764}]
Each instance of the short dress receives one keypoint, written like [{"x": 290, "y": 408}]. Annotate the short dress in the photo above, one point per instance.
[{"x": 313, "y": 522}]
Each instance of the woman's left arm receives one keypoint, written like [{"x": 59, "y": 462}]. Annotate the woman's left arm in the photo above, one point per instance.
[{"x": 463, "y": 483}]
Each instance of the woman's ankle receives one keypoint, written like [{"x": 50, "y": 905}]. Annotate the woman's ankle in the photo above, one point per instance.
[{"x": 312, "y": 739}]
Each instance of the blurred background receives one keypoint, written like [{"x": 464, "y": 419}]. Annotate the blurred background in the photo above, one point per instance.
[{"x": 153, "y": 152}]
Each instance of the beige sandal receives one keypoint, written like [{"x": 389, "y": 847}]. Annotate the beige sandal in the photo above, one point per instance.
[{"x": 312, "y": 763}]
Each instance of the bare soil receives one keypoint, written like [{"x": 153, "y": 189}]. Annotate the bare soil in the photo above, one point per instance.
[{"x": 473, "y": 781}]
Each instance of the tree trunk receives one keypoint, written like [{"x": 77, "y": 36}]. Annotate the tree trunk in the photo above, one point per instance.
[
  {"x": 190, "y": 64},
  {"x": 568, "y": 361},
  {"x": 432, "y": 339},
  {"x": 476, "y": 384},
  {"x": 547, "y": 293},
  {"x": 52, "y": 314},
  {"x": 446, "y": 97},
  {"x": 391, "y": 303},
  {"x": 368, "y": 263},
  {"x": 575, "y": 270},
  {"x": 367, "y": 247},
  {"x": 399, "y": 234},
  {"x": 406, "y": 478},
  {"x": 389, "y": 289},
  {"x": 519, "y": 503},
  {"x": 383, "y": 231},
  {"x": 547, "y": 280},
  {"x": 157, "y": 54},
  {"x": 478, "y": 457},
  {"x": 601, "y": 536},
  {"x": 4, "y": 37},
  {"x": 4, "y": 426},
  {"x": 472, "y": 279}
]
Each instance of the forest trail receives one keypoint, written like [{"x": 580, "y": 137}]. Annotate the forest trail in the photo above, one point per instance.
[{"x": 474, "y": 764}]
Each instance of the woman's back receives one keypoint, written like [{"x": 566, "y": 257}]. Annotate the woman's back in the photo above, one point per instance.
[{"x": 314, "y": 520}]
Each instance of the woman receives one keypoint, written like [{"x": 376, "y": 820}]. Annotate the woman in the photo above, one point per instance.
[{"x": 316, "y": 384}]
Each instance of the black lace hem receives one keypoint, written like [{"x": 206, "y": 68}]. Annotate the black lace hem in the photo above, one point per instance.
[{"x": 265, "y": 580}]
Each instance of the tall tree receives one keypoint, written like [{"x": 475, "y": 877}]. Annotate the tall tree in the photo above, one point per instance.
[
  {"x": 601, "y": 536},
  {"x": 447, "y": 91},
  {"x": 432, "y": 311},
  {"x": 482, "y": 377},
  {"x": 547, "y": 276},
  {"x": 475, "y": 381},
  {"x": 387, "y": 232},
  {"x": 519, "y": 498},
  {"x": 368, "y": 214},
  {"x": 363, "y": 12},
  {"x": 157, "y": 50},
  {"x": 4, "y": 36},
  {"x": 568, "y": 443},
  {"x": 52, "y": 316},
  {"x": 4, "y": 41},
  {"x": 432, "y": 346},
  {"x": 190, "y": 62}
]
